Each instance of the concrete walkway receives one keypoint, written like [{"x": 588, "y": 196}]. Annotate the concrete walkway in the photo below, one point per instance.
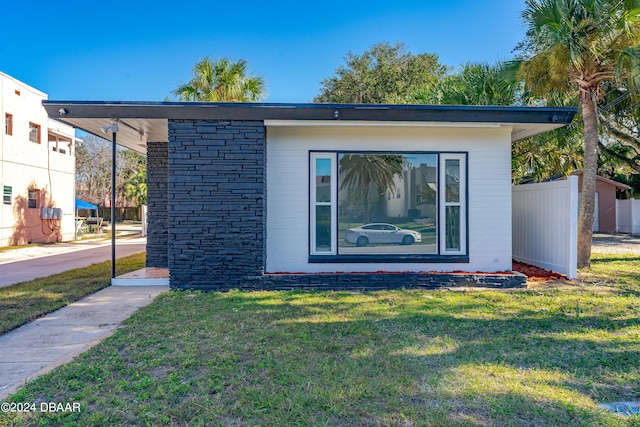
[{"x": 55, "y": 339}]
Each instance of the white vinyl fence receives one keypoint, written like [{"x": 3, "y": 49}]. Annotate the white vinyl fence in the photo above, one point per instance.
[
  {"x": 628, "y": 216},
  {"x": 545, "y": 225}
]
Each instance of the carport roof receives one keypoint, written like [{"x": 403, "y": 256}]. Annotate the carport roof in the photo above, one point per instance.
[{"x": 148, "y": 121}]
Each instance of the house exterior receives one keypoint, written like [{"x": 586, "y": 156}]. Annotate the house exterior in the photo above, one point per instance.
[
  {"x": 37, "y": 169},
  {"x": 605, "y": 216},
  {"x": 263, "y": 196}
]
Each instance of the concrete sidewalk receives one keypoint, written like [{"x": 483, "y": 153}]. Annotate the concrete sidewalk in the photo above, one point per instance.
[{"x": 55, "y": 339}]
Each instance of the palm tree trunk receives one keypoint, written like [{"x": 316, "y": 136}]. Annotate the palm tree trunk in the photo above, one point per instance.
[
  {"x": 365, "y": 216},
  {"x": 590, "y": 170}
]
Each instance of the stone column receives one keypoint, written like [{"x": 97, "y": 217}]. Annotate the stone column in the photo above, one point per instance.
[
  {"x": 157, "y": 218},
  {"x": 217, "y": 200}
]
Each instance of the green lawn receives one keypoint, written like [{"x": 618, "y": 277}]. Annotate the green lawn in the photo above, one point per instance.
[
  {"x": 26, "y": 301},
  {"x": 540, "y": 357}
]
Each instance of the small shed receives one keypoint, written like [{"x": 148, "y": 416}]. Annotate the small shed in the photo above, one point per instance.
[{"x": 604, "y": 220}]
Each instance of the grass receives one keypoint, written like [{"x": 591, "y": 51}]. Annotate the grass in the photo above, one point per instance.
[
  {"x": 396, "y": 358},
  {"x": 23, "y": 302},
  {"x": 11, "y": 248},
  {"x": 620, "y": 272}
]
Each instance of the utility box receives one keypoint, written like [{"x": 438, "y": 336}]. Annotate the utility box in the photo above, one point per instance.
[{"x": 50, "y": 213}]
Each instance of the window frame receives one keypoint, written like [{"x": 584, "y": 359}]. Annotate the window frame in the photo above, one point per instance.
[
  {"x": 8, "y": 124},
  {"x": 461, "y": 203},
  {"x": 7, "y": 194},
  {"x": 38, "y": 130},
  {"x": 313, "y": 203},
  {"x": 460, "y": 256},
  {"x": 33, "y": 199}
]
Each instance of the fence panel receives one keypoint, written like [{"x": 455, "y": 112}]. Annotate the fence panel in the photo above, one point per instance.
[
  {"x": 628, "y": 219},
  {"x": 545, "y": 225}
]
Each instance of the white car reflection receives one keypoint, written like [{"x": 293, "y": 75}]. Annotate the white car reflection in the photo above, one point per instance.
[{"x": 381, "y": 233}]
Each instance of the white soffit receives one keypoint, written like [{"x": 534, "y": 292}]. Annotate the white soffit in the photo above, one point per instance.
[
  {"x": 353, "y": 123},
  {"x": 518, "y": 130},
  {"x": 132, "y": 134}
]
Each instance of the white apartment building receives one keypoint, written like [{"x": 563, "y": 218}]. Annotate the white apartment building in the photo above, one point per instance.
[{"x": 37, "y": 169}]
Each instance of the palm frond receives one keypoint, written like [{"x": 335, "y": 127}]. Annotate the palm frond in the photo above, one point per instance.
[{"x": 221, "y": 80}]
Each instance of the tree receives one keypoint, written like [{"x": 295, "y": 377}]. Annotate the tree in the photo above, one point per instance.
[
  {"x": 135, "y": 188},
  {"x": 578, "y": 45},
  {"x": 221, "y": 80},
  {"x": 93, "y": 173},
  {"x": 362, "y": 171},
  {"x": 551, "y": 155},
  {"x": 474, "y": 84},
  {"x": 538, "y": 158},
  {"x": 620, "y": 123},
  {"x": 131, "y": 178},
  {"x": 382, "y": 74},
  {"x": 93, "y": 169}
]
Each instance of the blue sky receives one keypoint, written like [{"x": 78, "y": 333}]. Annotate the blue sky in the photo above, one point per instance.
[{"x": 140, "y": 50}]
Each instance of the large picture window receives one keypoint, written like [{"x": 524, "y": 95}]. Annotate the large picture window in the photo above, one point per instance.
[{"x": 391, "y": 206}]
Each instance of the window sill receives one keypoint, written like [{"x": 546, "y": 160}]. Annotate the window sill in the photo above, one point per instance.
[{"x": 388, "y": 259}]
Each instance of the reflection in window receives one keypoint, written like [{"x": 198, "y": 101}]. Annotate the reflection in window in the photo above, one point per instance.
[
  {"x": 452, "y": 229},
  {"x": 323, "y": 180},
  {"x": 452, "y": 170},
  {"x": 323, "y": 228},
  {"x": 387, "y": 203}
]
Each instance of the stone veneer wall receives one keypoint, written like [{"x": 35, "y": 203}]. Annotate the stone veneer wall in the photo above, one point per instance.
[
  {"x": 157, "y": 218},
  {"x": 217, "y": 186},
  {"x": 217, "y": 218}
]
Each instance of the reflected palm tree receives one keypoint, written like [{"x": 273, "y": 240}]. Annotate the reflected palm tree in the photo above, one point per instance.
[{"x": 363, "y": 171}]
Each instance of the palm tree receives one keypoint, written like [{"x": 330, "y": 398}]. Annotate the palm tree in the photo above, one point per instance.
[
  {"x": 135, "y": 189},
  {"x": 620, "y": 122},
  {"x": 361, "y": 171},
  {"x": 221, "y": 80},
  {"x": 578, "y": 45},
  {"x": 480, "y": 84}
]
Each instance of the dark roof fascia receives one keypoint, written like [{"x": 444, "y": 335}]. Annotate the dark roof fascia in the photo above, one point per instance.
[{"x": 282, "y": 111}]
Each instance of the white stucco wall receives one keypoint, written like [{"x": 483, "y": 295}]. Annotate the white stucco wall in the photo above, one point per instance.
[
  {"x": 489, "y": 181},
  {"x": 24, "y": 165}
]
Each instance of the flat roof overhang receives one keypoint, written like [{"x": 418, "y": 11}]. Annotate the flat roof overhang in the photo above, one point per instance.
[{"x": 148, "y": 121}]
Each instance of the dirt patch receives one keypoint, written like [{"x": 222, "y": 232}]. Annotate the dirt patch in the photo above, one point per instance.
[{"x": 536, "y": 274}]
